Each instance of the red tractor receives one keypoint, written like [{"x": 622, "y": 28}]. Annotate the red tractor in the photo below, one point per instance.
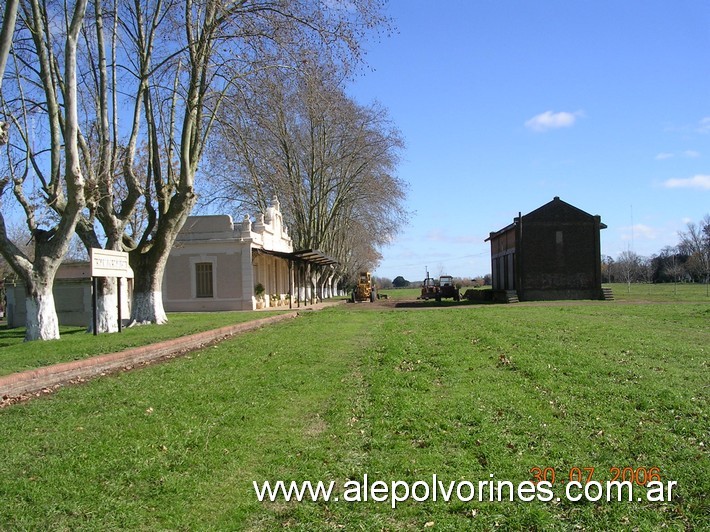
[{"x": 429, "y": 288}]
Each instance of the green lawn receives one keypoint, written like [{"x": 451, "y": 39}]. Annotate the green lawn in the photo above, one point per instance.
[
  {"x": 661, "y": 292},
  {"x": 461, "y": 392},
  {"x": 74, "y": 344},
  {"x": 402, "y": 293}
]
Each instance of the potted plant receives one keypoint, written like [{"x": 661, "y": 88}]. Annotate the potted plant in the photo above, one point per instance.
[{"x": 259, "y": 293}]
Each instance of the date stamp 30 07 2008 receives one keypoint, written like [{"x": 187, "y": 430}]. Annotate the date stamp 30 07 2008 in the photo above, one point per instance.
[
  {"x": 580, "y": 483},
  {"x": 640, "y": 476}
]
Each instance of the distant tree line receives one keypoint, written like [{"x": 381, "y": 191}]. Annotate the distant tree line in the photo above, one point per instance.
[{"x": 688, "y": 261}]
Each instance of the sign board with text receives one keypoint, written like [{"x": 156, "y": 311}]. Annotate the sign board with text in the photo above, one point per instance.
[{"x": 106, "y": 263}]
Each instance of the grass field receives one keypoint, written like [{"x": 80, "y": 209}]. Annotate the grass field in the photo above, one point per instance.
[
  {"x": 75, "y": 344},
  {"x": 685, "y": 292},
  {"x": 461, "y": 392}
]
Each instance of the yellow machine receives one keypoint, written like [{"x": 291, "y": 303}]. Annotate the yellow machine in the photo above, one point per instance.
[
  {"x": 429, "y": 288},
  {"x": 365, "y": 289}
]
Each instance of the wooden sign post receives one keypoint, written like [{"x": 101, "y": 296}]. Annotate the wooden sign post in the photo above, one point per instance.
[{"x": 107, "y": 263}]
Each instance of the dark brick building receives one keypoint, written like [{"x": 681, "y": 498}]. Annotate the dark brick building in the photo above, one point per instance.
[{"x": 552, "y": 252}]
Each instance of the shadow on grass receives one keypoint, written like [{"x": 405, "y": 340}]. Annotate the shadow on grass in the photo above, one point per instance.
[
  {"x": 13, "y": 336},
  {"x": 78, "y": 330},
  {"x": 10, "y": 337}
]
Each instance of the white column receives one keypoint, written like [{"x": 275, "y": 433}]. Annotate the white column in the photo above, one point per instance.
[{"x": 248, "y": 281}]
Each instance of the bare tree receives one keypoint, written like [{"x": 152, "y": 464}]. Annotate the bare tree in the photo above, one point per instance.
[
  {"x": 177, "y": 61},
  {"x": 607, "y": 268},
  {"x": 628, "y": 267},
  {"x": 163, "y": 69},
  {"x": 670, "y": 265},
  {"x": 221, "y": 45},
  {"x": 695, "y": 242},
  {"x": 60, "y": 179},
  {"x": 155, "y": 75},
  {"x": 676, "y": 271},
  {"x": 647, "y": 270},
  {"x": 330, "y": 160},
  {"x": 383, "y": 283}
]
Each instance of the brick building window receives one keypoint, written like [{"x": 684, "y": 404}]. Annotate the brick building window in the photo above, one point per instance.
[{"x": 203, "y": 280}]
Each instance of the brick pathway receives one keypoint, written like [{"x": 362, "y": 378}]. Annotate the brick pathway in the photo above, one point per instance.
[{"x": 25, "y": 385}]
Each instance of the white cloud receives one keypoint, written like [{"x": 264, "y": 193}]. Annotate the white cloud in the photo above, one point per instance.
[
  {"x": 688, "y": 154},
  {"x": 704, "y": 125},
  {"x": 551, "y": 120},
  {"x": 645, "y": 231},
  {"x": 697, "y": 181},
  {"x": 641, "y": 231}
]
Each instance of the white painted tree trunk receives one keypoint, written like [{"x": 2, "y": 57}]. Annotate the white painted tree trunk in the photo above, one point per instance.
[
  {"x": 106, "y": 306},
  {"x": 41, "y": 321},
  {"x": 321, "y": 279},
  {"x": 315, "y": 285},
  {"x": 330, "y": 286},
  {"x": 308, "y": 282},
  {"x": 147, "y": 308},
  {"x": 147, "y": 303},
  {"x": 318, "y": 276}
]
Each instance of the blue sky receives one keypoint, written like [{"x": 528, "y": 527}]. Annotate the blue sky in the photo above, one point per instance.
[{"x": 505, "y": 104}]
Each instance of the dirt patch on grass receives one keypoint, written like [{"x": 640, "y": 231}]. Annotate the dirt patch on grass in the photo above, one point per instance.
[{"x": 316, "y": 427}]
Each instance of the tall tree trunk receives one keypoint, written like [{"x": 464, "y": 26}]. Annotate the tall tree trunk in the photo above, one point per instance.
[
  {"x": 148, "y": 262},
  {"x": 147, "y": 305},
  {"x": 41, "y": 322},
  {"x": 106, "y": 306},
  {"x": 63, "y": 186}
]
